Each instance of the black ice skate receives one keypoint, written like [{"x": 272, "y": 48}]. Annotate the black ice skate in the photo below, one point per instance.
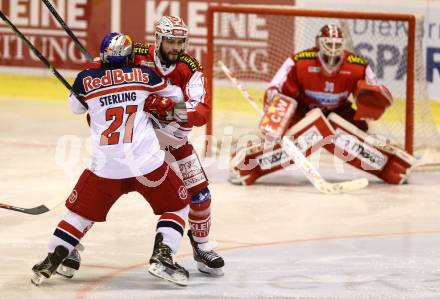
[
  {"x": 70, "y": 265},
  {"x": 163, "y": 266},
  {"x": 208, "y": 261},
  {"x": 48, "y": 266}
]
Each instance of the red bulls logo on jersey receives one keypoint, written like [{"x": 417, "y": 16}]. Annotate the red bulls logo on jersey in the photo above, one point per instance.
[{"x": 116, "y": 76}]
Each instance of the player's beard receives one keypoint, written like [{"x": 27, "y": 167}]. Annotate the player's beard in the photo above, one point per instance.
[{"x": 170, "y": 57}]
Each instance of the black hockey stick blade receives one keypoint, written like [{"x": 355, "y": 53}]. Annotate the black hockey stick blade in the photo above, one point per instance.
[{"x": 32, "y": 211}]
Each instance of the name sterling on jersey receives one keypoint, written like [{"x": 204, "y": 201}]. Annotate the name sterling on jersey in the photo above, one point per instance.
[
  {"x": 117, "y": 98},
  {"x": 116, "y": 76}
]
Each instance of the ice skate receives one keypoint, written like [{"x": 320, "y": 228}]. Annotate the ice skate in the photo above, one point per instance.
[
  {"x": 233, "y": 178},
  {"x": 163, "y": 266},
  {"x": 70, "y": 265},
  {"x": 208, "y": 261},
  {"x": 48, "y": 266}
]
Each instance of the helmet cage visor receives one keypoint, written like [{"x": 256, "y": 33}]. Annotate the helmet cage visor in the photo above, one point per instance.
[{"x": 331, "y": 52}]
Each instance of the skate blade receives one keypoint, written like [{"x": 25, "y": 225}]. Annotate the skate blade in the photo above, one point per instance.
[
  {"x": 65, "y": 271},
  {"x": 234, "y": 178},
  {"x": 210, "y": 271},
  {"x": 159, "y": 271},
  {"x": 37, "y": 279}
]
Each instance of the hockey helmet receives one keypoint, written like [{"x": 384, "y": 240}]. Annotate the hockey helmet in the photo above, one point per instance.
[
  {"x": 170, "y": 27},
  {"x": 116, "y": 49},
  {"x": 330, "y": 43}
]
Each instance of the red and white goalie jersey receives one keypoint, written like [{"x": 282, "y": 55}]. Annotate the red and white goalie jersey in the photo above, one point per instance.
[
  {"x": 187, "y": 73},
  {"x": 302, "y": 77}
]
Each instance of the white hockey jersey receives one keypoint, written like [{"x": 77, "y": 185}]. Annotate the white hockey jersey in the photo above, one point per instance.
[{"x": 123, "y": 140}]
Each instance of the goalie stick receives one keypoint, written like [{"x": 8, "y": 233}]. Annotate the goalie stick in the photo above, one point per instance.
[
  {"x": 32, "y": 211},
  {"x": 306, "y": 167},
  {"x": 43, "y": 59},
  {"x": 67, "y": 29}
]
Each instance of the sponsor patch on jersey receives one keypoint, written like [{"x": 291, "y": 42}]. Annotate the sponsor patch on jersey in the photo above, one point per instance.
[
  {"x": 344, "y": 72},
  {"x": 141, "y": 49},
  {"x": 113, "y": 77},
  {"x": 149, "y": 64},
  {"x": 314, "y": 69},
  {"x": 305, "y": 55},
  {"x": 354, "y": 59},
  {"x": 191, "y": 62},
  {"x": 370, "y": 157},
  {"x": 326, "y": 98}
]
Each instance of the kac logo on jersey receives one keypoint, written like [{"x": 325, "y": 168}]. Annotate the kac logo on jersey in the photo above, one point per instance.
[
  {"x": 73, "y": 196},
  {"x": 183, "y": 193}
]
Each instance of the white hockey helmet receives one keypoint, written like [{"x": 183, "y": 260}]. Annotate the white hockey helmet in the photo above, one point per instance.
[
  {"x": 330, "y": 42},
  {"x": 170, "y": 27}
]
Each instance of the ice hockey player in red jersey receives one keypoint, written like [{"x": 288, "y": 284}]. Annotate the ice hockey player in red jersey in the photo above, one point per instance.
[
  {"x": 169, "y": 60},
  {"x": 126, "y": 157},
  {"x": 308, "y": 99}
]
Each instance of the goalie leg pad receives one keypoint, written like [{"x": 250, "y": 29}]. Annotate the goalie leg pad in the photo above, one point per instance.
[
  {"x": 367, "y": 153},
  {"x": 252, "y": 162}
]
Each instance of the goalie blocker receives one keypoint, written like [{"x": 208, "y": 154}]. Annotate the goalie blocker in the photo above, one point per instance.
[{"x": 336, "y": 135}]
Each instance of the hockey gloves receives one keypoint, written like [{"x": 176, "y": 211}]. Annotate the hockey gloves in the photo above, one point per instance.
[{"x": 158, "y": 105}]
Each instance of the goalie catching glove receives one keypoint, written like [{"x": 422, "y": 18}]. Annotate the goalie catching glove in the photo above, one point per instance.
[{"x": 371, "y": 100}]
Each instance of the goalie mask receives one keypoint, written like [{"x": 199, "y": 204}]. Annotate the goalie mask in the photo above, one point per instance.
[
  {"x": 116, "y": 49},
  {"x": 171, "y": 28},
  {"x": 330, "y": 43}
]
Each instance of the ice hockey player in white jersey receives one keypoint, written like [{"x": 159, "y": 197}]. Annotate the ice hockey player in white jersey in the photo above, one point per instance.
[{"x": 126, "y": 158}]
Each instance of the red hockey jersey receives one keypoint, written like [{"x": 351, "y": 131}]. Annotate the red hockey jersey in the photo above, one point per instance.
[
  {"x": 187, "y": 73},
  {"x": 301, "y": 77}
]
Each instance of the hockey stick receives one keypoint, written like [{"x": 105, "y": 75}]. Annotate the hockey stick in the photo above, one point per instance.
[
  {"x": 68, "y": 31},
  {"x": 306, "y": 167},
  {"x": 32, "y": 211},
  {"x": 41, "y": 208},
  {"x": 43, "y": 59}
]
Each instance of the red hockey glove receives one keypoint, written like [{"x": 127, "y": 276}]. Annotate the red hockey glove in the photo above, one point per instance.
[
  {"x": 158, "y": 105},
  {"x": 371, "y": 100}
]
